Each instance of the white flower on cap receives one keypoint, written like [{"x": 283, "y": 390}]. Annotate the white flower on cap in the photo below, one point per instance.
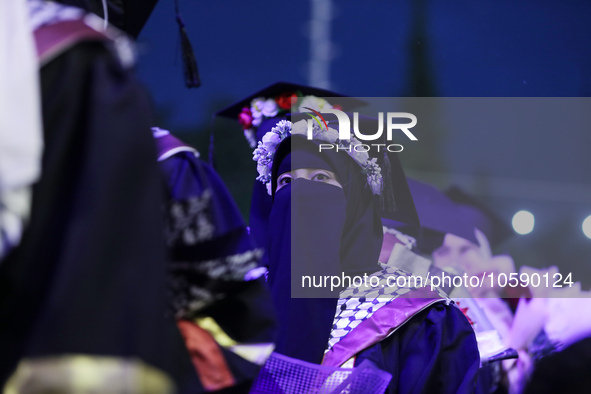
[
  {"x": 262, "y": 107},
  {"x": 265, "y": 151}
]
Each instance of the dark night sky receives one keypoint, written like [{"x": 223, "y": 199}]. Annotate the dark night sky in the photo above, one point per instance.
[{"x": 490, "y": 48}]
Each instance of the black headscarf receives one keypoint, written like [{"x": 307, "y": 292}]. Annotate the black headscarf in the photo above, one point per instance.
[{"x": 261, "y": 202}]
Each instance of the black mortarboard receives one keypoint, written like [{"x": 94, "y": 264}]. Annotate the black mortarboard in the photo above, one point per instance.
[
  {"x": 436, "y": 210},
  {"x": 275, "y": 91},
  {"x": 405, "y": 210},
  {"x": 279, "y": 88},
  {"x": 401, "y": 209},
  {"x": 438, "y": 215},
  {"x": 478, "y": 215}
]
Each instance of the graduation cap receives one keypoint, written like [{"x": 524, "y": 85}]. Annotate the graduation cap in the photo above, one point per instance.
[
  {"x": 478, "y": 215},
  {"x": 281, "y": 95},
  {"x": 130, "y": 16},
  {"x": 438, "y": 215},
  {"x": 278, "y": 98},
  {"x": 285, "y": 89},
  {"x": 401, "y": 210},
  {"x": 403, "y": 215}
]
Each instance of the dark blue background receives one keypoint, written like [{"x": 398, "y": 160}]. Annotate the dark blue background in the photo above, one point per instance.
[{"x": 489, "y": 48}]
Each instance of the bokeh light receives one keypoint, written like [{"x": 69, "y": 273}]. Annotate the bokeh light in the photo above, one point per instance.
[
  {"x": 523, "y": 222},
  {"x": 587, "y": 226}
]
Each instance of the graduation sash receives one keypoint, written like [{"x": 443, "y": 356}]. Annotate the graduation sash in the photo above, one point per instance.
[{"x": 367, "y": 315}]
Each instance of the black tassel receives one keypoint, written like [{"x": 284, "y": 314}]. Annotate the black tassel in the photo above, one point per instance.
[
  {"x": 387, "y": 196},
  {"x": 190, "y": 69}
]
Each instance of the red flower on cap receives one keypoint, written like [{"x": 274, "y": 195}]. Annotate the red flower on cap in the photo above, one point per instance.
[
  {"x": 284, "y": 100},
  {"x": 245, "y": 118}
]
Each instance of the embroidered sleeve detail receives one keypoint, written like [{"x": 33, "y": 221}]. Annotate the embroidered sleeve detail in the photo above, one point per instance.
[{"x": 189, "y": 221}]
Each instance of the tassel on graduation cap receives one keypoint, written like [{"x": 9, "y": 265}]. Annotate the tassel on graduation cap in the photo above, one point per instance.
[
  {"x": 190, "y": 69},
  {"x": 387, "y": 197}
]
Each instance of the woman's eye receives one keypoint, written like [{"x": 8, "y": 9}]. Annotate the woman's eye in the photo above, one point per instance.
[
  {"x": 285, "y": 180},
  {"x": 321, "y": 177}
]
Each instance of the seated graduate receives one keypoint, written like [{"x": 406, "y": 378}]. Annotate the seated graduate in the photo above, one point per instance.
[{"x": 325, "y": 221}]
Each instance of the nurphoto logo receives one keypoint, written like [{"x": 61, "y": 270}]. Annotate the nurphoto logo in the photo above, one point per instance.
[{"x": 345, "y": 134}]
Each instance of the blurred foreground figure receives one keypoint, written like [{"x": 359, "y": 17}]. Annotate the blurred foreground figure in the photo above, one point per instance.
[
  {"x": 217, "y": 292},
  {"x": 554, "y": 324},
  {"x": 566, "y": 371},
  {"x": 82, "y": 297}
]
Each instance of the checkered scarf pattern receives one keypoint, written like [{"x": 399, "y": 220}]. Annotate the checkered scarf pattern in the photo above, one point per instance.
[{"x": 357, "y": 304}]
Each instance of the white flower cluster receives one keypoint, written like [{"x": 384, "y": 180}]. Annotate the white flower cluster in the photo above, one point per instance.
[
  {"x": 265, "y": 151},
  {"x": 259, "y": 108},
  {"x": 262, "y": 107}
]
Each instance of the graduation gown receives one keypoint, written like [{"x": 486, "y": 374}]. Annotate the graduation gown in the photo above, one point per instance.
[
  {"x": 416, "y": 334},
  {"x": 434, "y": 352}
]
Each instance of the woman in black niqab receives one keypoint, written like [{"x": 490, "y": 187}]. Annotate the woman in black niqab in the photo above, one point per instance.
[
  {"x": 321, "y": 230},
  {"x": 317, "y": 230}
]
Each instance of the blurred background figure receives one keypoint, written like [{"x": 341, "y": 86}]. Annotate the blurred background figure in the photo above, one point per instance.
[
  {"x": 482, "y": 231},
  {"x": 217, "y": 291},
  {"x": 450, "y": 235}
]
